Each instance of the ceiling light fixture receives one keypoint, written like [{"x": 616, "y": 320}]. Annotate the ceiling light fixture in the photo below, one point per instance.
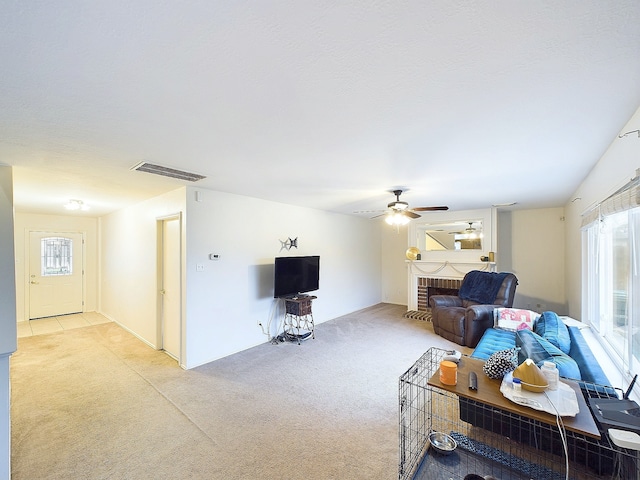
[
  {"x": 397, "y": 218},
  {"x": 76, "y": 205}
]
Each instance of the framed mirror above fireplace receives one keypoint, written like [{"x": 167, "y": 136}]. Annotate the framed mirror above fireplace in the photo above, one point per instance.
[{"x": 454, "y": 236}]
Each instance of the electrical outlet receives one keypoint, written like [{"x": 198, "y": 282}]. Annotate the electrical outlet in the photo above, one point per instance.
[{"x": 200, "y": 267}]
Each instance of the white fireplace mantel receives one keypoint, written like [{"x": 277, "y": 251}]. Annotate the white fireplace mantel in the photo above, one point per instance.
[
  {"x": 446, "y": 263},
  {"x": 427, "y": 269}
]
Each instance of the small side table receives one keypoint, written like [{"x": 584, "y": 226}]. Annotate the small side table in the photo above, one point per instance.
[{"x": 298, "y": 319}]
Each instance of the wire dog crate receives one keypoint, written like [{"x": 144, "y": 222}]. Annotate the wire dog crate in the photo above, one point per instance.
[{"x": 495, "y": 442}]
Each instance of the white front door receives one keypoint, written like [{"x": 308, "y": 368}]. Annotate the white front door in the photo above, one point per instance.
[
  {"x": 171, "y": 290},
  {"x": 55, "y": 274}
]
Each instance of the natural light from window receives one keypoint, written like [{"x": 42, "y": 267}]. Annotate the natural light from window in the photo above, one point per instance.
[
  {"x": 56, "y": 256},
  {"x": 612, "y": 283}
]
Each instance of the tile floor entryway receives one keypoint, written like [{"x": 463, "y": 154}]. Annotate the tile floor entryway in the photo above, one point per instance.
[{"x": 43, "y": 326}]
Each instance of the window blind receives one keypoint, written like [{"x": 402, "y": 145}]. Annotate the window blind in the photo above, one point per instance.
[{"x": 625, "y": 198}]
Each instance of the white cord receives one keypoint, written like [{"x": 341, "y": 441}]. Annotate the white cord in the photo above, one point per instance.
[
  {"x": 563, "y": 436},
  {"x": 274, "y": 305}
]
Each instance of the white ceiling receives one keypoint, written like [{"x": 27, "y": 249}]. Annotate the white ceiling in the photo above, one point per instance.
[{"x": 325, "y": 104}]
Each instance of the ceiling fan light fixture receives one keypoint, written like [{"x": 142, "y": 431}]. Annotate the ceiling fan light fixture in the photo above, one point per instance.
[
  {"x": 399, "y": 213},
  {"x": 398, "y": 205},
  {"x": 467, "y": 236},
  {"x": 397, "y": 218},
  {"x": 76, "y": 205}
]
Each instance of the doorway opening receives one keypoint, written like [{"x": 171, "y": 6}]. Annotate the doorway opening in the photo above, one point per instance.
[{"x": 169, "y": 325}]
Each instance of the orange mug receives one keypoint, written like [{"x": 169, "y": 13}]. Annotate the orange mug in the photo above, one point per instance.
[{"x": 448, "y": 372}]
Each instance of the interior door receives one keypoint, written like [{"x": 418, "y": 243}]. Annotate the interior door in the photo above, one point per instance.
[
  {"x": 55, "y": 274},
  {"x": 171, "y": 287}
]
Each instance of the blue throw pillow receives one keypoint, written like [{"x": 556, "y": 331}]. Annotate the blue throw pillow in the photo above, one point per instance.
[
  {"x": 539, "y": 350},
  {"x": 550, "y": 327}
]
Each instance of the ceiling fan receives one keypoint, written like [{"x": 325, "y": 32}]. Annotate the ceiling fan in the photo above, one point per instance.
[
  {"x": 399, "y": 212},
  {"x": 469, "y": 229}
]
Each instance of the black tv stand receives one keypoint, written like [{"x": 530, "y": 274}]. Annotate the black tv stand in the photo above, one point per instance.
[{"x": 298, "y": 319}]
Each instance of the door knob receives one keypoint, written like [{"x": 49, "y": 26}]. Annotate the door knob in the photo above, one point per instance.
[{"x": 34, "y": 283}]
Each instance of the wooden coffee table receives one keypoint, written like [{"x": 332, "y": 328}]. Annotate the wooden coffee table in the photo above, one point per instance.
[{"x": 488, "y": 393}]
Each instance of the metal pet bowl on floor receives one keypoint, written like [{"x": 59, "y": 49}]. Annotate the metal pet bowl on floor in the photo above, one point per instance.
[{"x": 442, "y": 443}]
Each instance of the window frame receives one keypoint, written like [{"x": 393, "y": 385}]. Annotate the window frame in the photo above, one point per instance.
[
  {"x": 56, "y": 256},
  {"x": 598, "y": 292}
]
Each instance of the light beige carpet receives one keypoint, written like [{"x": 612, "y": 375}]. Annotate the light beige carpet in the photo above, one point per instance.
[{"x": 97, "y": 403}]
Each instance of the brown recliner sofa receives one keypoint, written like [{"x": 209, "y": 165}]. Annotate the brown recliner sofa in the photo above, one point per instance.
[{"x": 464, "y": 320}]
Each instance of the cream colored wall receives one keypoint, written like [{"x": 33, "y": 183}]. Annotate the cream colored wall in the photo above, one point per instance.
[
  {"x": 531, "y": 244},
  {"x": 393, "y": 261},
  {"x": 26, "y": 222},
  {"x": 128, "y": 258}
]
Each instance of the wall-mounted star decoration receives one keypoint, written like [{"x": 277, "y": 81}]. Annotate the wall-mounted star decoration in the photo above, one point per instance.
[{"x": 288, "y": 243}]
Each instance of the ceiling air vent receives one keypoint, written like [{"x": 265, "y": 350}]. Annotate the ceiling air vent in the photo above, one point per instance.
[{"x": 167, "y": 172}]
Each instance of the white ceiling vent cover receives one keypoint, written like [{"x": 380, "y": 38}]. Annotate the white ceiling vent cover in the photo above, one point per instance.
[{"x": 167, "y": 172}]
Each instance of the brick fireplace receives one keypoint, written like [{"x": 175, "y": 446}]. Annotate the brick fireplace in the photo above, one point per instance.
[
  {"x": 428, "y": 286},
  {"x": 437, "y": 278}
]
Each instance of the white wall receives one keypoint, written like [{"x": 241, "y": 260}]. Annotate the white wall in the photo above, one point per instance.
[
  {"x": 393, "y": 261},
  {"x": 616, "y": 167},
  {"x": 531, "y": 244},
  {"x": 8, "y": 328},
  {"x": 128, "y": 263},
  {"x": 227, "y": 301},
  {"x": 26, "y": 222}
]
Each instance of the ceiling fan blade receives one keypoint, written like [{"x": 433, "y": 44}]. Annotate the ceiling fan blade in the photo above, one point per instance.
[
  {"x": 410, "y": 214},
  {"x": 429, "y": 209}
]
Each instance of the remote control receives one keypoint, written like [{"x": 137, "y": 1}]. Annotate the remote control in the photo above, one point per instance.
[
  {"x": 452, "y": 356},
  {"x": 473, "y": 381}
]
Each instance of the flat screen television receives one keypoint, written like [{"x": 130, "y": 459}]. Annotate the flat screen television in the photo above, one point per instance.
[{"x": 294, "y": 275}]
